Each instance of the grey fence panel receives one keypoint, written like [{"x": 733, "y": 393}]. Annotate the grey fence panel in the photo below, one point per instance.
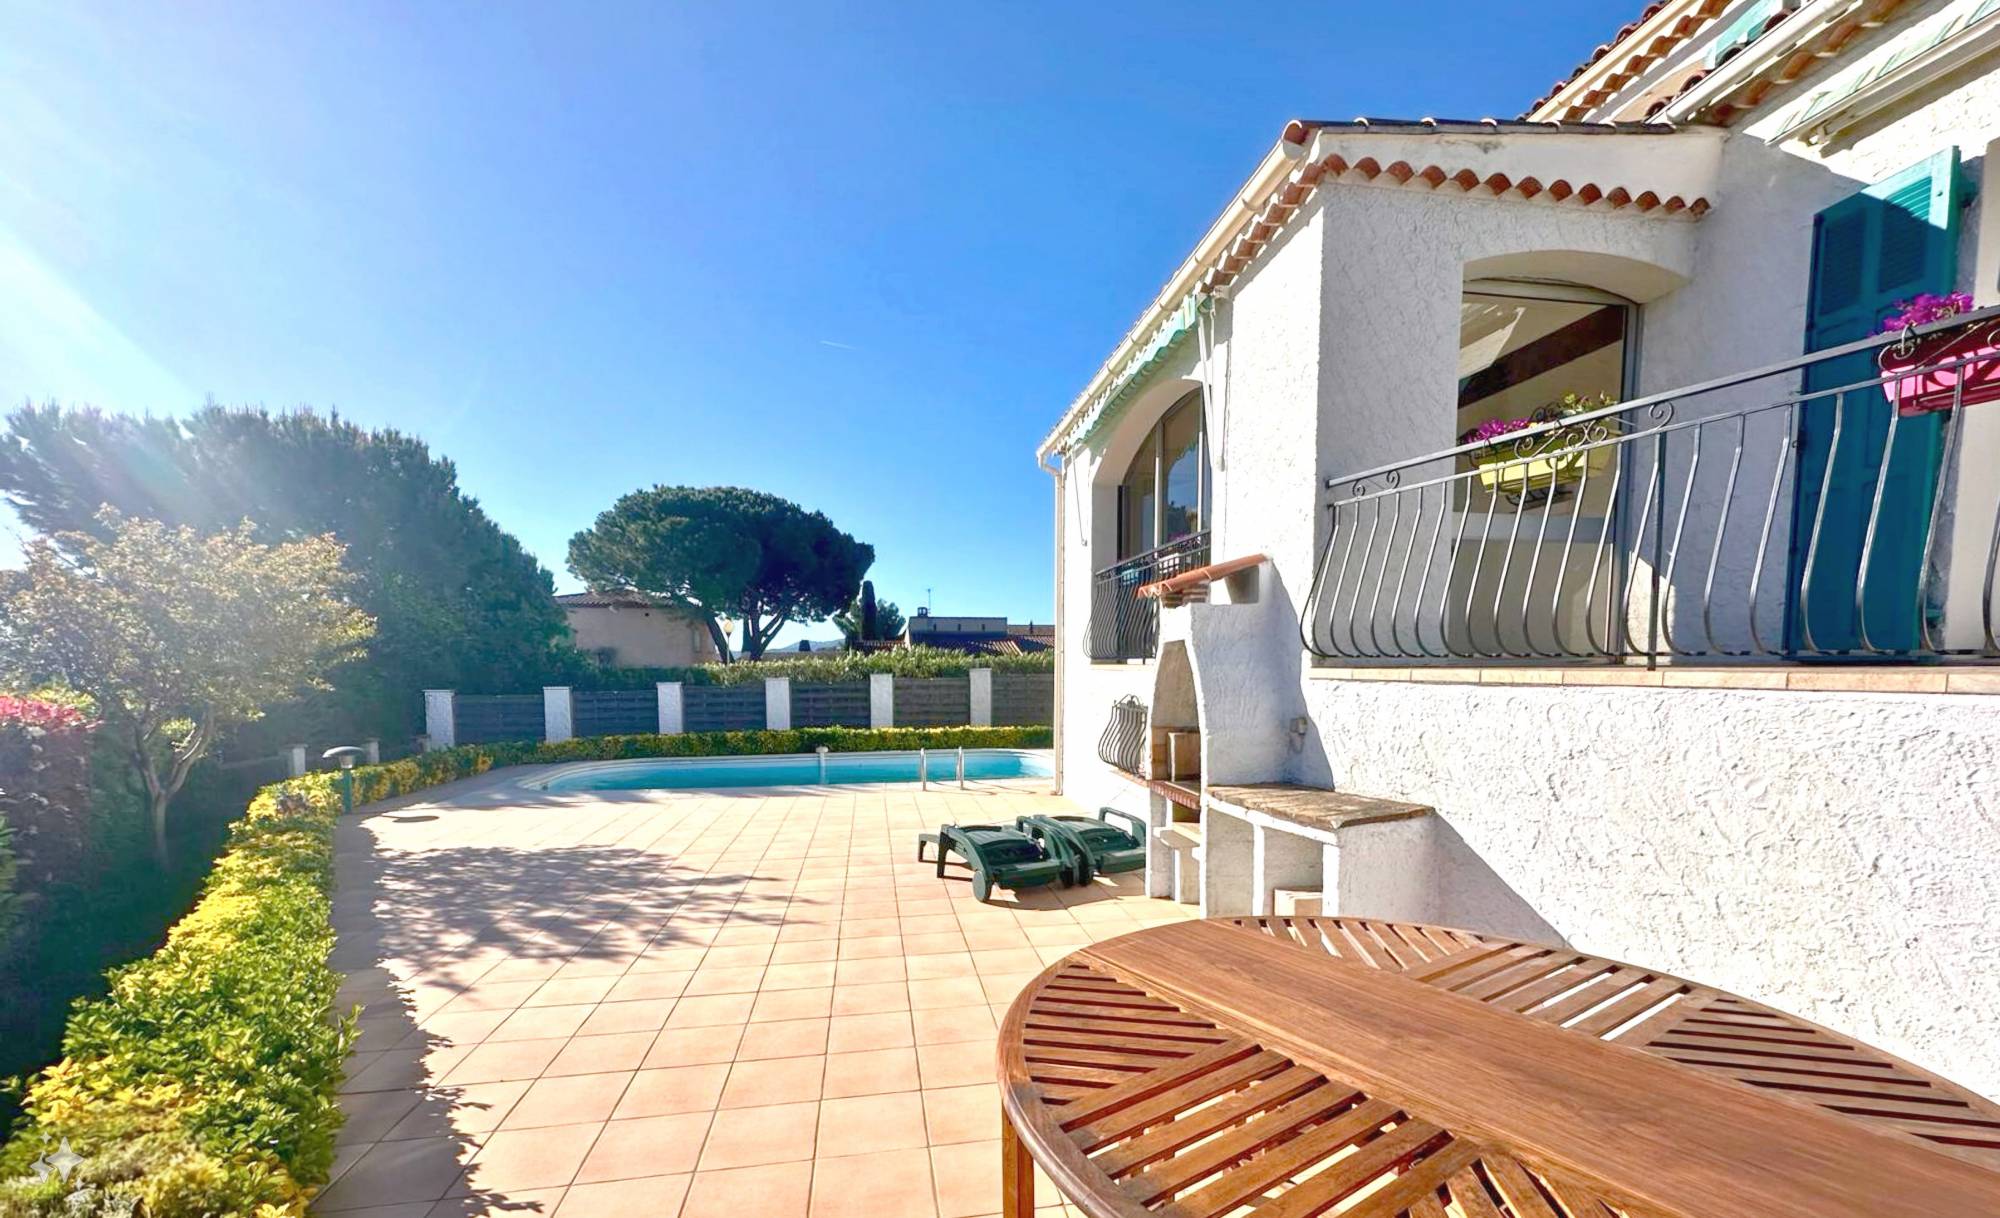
[
  {"x": 723, "y": 708},
  {"x": 830, "y": 704},
  {"x": 489, "y": 718},
  {"x": 615, "y": 712},
  {"x": 933, "y": 701},
  {"x": 1024, "y": 699}
]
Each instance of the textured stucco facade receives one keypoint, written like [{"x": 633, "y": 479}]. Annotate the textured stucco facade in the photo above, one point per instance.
[
  {"x": 640, "y": 636},
  {"x": 1831, "y": 853}
]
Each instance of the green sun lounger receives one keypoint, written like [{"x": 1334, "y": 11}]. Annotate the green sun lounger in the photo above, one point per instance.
[
  {"x": 1089, "y": 848},
  {"x": 997, "y": 855}
]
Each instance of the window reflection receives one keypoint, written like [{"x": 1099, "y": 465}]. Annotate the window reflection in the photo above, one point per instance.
[{"x": 1165, "y": 494}]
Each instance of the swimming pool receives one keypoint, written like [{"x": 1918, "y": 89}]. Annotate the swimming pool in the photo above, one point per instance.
[{"x": 791, "y": 770}]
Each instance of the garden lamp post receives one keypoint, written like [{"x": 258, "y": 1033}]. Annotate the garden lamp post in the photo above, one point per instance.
[{"x": 345, "y": 755}]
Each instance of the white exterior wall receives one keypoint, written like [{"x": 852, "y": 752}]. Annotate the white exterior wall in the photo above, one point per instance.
[
  {"x": 1265, "y": 370},
  {"x": 1830, "y": 853}
]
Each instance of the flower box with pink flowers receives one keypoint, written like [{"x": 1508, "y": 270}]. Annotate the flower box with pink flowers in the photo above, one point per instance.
[
  {"x": 1547, "y": 459},
  {"x": 1931, "y": 373}
]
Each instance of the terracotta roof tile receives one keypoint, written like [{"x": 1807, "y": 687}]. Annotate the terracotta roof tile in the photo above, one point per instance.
[
  {"x": 1013, "y": 644},
  {"x": 1751, "y": 90},
  {"x": 1636, "y": 63},
  {"x": 1402, "y": 174},
  {"x": 604, "y": 600}
]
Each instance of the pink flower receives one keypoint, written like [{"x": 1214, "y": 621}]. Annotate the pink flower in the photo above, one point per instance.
[
  {"x": 1923, "y": 309},
  {"x": 35, "y": 713},
  {"x": 1493, "y": 429}
]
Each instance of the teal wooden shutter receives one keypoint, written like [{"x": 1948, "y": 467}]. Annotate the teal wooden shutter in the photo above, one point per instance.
[{"x": 1892, "y": 241}]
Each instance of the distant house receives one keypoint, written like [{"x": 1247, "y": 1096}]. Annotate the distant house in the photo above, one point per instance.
[
  {"x": 807, "y": 647},
  {"x": 990, "y": 636},
  {"x": 629, "y": 632}
]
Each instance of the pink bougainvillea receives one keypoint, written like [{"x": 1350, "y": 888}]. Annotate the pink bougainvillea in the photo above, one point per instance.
[
  {"x": 1924, "y": 309},
  {"x": 35, "y": 712}
]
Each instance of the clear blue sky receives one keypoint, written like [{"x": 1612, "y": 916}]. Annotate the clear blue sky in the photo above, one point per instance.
[{"x": 858, "y": 255}]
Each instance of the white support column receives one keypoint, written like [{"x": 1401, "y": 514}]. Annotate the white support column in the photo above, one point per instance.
[
  {"x": 295, "y": 760},
  {"x": 982, "y": 697},
  {"x": 777, "y": 703},
  {"x": 440, "y": 720},
  {"x": 371, "y": 751},
  {"x": 881, "y": 700},
  {"x": 671, "y": 716},
  {"x": 557, "y": 719}
]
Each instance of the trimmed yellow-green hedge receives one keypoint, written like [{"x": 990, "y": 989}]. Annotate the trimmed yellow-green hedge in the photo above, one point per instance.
[
  {"x": 204, "y": 1082},
  {"x": 818, "y": 666}
]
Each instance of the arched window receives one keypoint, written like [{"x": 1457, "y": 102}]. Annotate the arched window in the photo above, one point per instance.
[{"x": 1165, "y": 494}]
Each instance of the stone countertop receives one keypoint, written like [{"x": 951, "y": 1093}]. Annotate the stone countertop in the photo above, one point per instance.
[{"x": 1314, "y": 807}]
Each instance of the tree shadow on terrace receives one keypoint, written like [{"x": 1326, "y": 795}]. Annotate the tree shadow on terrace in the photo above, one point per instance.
[{"x": 442, "y": 944}]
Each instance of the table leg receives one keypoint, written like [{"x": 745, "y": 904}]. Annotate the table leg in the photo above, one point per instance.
[{"x": 1017, "y": 1173}]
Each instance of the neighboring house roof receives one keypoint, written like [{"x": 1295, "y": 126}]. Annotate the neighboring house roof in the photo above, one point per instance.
[
  {"x": 990, "y": 644},
  {"x": 606, "y": 600},
  {"x": 1540, "y": 161}
]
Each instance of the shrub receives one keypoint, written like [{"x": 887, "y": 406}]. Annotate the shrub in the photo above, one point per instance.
[
  {"x": 828, "y": 666},
  {"x": 44, "y": 801},
  {"x": 429, "y": 769},
  {"x": 204, "y": 1082}
]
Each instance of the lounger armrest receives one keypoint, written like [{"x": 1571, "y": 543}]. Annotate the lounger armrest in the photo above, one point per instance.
[{"x": 1139, "y": 826}]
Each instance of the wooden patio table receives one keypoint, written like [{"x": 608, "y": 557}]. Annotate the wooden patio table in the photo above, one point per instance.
[{"x": 1291, "y": 1067}]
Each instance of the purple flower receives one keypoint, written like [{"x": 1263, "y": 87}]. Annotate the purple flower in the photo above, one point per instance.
[
  {"x": 1923, "y": 309},
  {"x": 1493, "y": 429}
]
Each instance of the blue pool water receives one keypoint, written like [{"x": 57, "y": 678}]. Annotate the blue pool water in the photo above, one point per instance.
[{"x": 792, "y": 770}]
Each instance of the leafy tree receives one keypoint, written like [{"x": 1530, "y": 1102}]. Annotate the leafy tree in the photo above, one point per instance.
[
  {"x": 868, "y": 619},
  {"x": 457, "y": 602},
  {"x": 176, "y": 634},
  {"x": 721, "y": 552}
]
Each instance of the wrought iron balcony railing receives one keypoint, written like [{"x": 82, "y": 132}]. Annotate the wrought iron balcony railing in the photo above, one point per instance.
[
  {"x": 1843, "y": 506},
  {"x": 1123, "y": 624},
  {"x": 1123, "y": 743}
]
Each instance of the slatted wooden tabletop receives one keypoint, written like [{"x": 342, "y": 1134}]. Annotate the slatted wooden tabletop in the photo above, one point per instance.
[{"x": 1293, "y": 1067}]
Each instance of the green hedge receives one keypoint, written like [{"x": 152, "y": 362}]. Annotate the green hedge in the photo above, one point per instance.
[
  {"x": 204, "y": 1082},
  {"x": 826, "y": 666}
]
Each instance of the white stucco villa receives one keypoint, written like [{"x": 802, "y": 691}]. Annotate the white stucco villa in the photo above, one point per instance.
[{"x": 1706, "y": 678}]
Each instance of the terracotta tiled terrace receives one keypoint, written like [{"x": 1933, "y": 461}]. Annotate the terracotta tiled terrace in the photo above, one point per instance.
[{"x": 735, "y": 1005}]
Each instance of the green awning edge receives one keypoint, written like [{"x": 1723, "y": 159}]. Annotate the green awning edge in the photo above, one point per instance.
[{"x": 1140, "y": 367}]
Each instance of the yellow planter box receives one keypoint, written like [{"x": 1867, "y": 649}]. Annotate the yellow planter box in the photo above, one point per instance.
[{"x": 1508, "y": 474}]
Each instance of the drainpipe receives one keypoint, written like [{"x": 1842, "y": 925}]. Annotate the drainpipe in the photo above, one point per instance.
[{"x": 1060, "y": 474}]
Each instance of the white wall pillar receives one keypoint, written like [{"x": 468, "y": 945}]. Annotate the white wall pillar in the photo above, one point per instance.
[
  {"x": 440, "y": 722},
  {"x": 881, "y": 699},
  {"x": 557, "y": 718},
  {"x": 295, "y": 760},
  {"x": 371, "y": 750},
  {"x": 1226, "y": 864},
  {"x": 671, "y": 715},
  {"x": 982, "y": 697},
  {"x": 777, "y": 703}
]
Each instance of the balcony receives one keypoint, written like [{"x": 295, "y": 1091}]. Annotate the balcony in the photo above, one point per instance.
[
  {"x": 1843, "y": 507},
  {"x": 1125, "y": 625}
]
